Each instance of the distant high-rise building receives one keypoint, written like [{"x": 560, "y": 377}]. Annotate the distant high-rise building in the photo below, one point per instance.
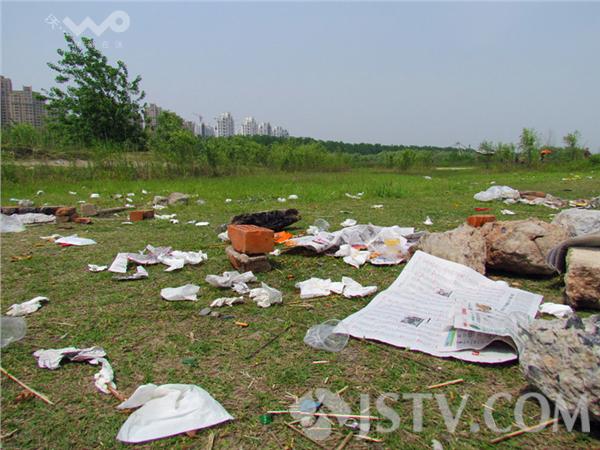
[
  {"x": 189, "y": 125},
  {"x": 264, "y": 129},
  {"x": 225, "y": 125},
  {"x": 249, "y": 127},
  {"x": 152, "y": 113},
  {"x": 20, "y": 106},
  {"x": 280, "y": 132},
  {"x": 207, "y": 130}
]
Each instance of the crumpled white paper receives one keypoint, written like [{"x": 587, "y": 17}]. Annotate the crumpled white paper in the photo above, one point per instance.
[
  {"x": 174, "y": 259},
  {"x": 96, "y": 268},
  {"x": 358, "y": 196},
  {"x": 168, "y": 410},
  {"x": 230, "y": 279},
  {"x": 28, "y": 307},
  {"x": 139, "y": 274},
  {"x": 428, "y": 221},
  {"x": 497, "y": 193},
  {"x": 319, "y": 287},
  {"x": 185, "y": 292},
  {"x": 51, "y": 359},
  {"x": 352, "y": 256},
  {"x": 266, "y": 296},
  {"x": 348, "y": 223},
  {"x": 507, "y": 212},
  {"x": 74, "y": 240},
  {"x": 556, "y": 309},
  {"x": 224, "y": 236},
  {"x": 226, "y": 301}
]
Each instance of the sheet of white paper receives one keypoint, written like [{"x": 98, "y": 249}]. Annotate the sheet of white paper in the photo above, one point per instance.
[
  {"x": 28, "y": 307},
  {"x": 75, "y": 240},
  {"x": 168, "y": 410},
  {"x": 556, "y": 309},
  {"x": 418, "y": 311},
  {"x": 185, "y": 292}
]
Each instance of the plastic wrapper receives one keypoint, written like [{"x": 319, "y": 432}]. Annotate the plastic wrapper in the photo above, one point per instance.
[
  {"x": 330, "y": 336},
  {"x": 185, "y": 292},
  {"x": 12, "y": 329},
  {"x": 266, "y": 296},
  {"x": 28, "y": 307}
]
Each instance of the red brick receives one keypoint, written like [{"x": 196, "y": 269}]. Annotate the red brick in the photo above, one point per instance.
[
  {"x": 84, "y": 220},
  {"x": 478, "y": 220},
  {"x": 148, "y": 213},
  {"x": 136, "y": 216},
  {"x": 251, "y": 239},
  {"x": 66, "y": 211}
]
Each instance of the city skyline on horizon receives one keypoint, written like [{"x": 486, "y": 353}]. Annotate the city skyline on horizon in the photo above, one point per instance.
[{"x": 451, "y": 73}]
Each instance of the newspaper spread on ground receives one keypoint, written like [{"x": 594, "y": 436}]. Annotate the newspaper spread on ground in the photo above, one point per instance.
[{"x": 447, "y": 310}]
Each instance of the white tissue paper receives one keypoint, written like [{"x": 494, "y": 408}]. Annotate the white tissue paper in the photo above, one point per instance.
[{"x": 185, "y": 292}]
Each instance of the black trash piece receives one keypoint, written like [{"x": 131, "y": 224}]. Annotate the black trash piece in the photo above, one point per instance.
[{"x": 275, "y": 220}]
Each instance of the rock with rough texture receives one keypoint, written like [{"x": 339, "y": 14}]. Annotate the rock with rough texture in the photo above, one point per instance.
[
  {"x": 464, "y": 245},
  {"x": 160, "y": 200},
  {"x": 178, "y": 197},
  {"x": 582, "y": 279},
  {"x": 521, "y": 246},
  {"x": 579, "y": 221},
  {"x": 561, "y": 358}
]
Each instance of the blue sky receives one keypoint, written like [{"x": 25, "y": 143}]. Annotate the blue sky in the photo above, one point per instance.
[{"x": 399, "y": 72}]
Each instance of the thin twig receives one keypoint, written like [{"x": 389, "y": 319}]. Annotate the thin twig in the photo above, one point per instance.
[
  {"x": 447, "y": 383},
  {"x": 539, "y": 426},
  {"x": 116, "y": 393},
  {"x": 211, "y": 441},
  {"x": 269, "y": 342},
  {"x": 348, "y": 416},
  {"x": 24, "y": 386},
  {"x": 345, "y": 441}
]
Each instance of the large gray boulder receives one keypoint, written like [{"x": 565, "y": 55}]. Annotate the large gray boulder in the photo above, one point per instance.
[
  {"x": 579, "y": 221},
  {"x": 582, "y": 279},
  {"x": 561, "y": 358},
  {"x": 521, "y": 246},
  {"x": 464, "y": 245}
]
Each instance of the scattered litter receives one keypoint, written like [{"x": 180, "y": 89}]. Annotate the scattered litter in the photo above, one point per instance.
[
  {"x": 436, "y": 445},
  {"x": 446, "y": 383},
  {"x": 168, "y": 410},
  {"x": 556, "y": 310},
  {"x": 228, "y": 200},
  {"x": 507, "y": 212},
  {"x": 224, "y": 236},
  {"x": 174, "y": 221},
  {"x": 266, "y": 296},
  {"x": 185, "y": 292},
  {"x": 275, "y": 252},
  {"x": 352, "y": 255},
  {"x": 200, "y": 202},
  {"x": 159, "y": 207},
  {"x": 131, "y": 194},
  {"x": 282, "y": 236},
  {"x": 292, "y": 197},
  {"x": 127, "y": 222},
  {"x": 95, "y": 195},
  {"x": 241, "y": 324},
  {"x": 427, "y": 177},
  {"x": 51, "y": 359},
  {"x": 12, "y": 329},
  {"x": 318, "y": 287},
  {"x": 72, "y": 193},
  {"x": 11, "y": 224},
  {"x": 357, "y": 196},
  {"x": 377, "y": 206},
  {"x": 282, "y": 199},
  {"x": 51, "y": 238},
  {"x": 234, "y": 280},
  {"x": 497, "y": 193},
  {"x": 348, "y": 223},
  {"x": 26, "y": 203},
  {"x": 129, "y": 205},
  {"x": 205, "y": 311},
  {"x": 74, "y": 240},
  {"x": 28, "y": 307},
  {"x": 226, "y": 301},
  {"x": 174, "y": 259},
  {"x": 428, "y": 221},
  {"x": 165, "y": 216},
  {"x": 144, "y": 191},
  {"x": 202, "y": 224},
  {"x": 319, "y": 226},
  {"x": 275, "y": 220},
  {"x": 95, "y": 268},
  {"x": 139, "y": 274},
  {"x": 32, "y": 218},
  {"x": 330, "y": 336},
  {"x": 447, "y": 310}
]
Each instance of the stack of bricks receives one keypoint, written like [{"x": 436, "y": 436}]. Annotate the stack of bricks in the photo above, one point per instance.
[
  {"x": 10, "y": 210},
  {"x": 66, "y": 214},
  {"x": 141, "y": 214},
  {"x": 249, "y": 247}
]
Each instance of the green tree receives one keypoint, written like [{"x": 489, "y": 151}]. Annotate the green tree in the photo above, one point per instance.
[
  {"x": 171, "y": 139},
  {"x": 94, "y": 101},
  {"x": 571, "y": 141},
  {"x": 528, "y": 144}
]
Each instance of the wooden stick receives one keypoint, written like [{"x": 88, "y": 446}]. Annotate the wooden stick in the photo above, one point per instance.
[
  {"x": 367, "y": 438},
  {"x": 345, "y": 441},
  {"x": 447, "y": 383},
  {"x": 276, "y": 439},
  {"x": 348, "y": 416},
  {"x": 116, "y": 393},
  {"x": 320, "y": 362},
  {"x": 299, "y": 431},
  {"x": 24, "y": 386},
  {"x": 541, "y": 426},
  {"x": 211, "y": 441},
  {"x": 270, "y": 341}
]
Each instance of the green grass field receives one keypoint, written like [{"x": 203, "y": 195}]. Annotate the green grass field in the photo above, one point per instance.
[{"x": 148, "y": 339}]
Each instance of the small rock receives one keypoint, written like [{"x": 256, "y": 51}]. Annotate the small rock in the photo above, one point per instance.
[
  {"x": 561, "y": 358},
  {"x": 205, "y": 311},
  {"x": 215, "y": 314},
  {"x": 160, "y": 200},
  {"x": 521, "y": 246},
  {"x": 464, "y": 245},
  {"x": 578, "y": 221},
  {"x": 582, "y": 279},
  {"x": 178, "y": 197}
]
